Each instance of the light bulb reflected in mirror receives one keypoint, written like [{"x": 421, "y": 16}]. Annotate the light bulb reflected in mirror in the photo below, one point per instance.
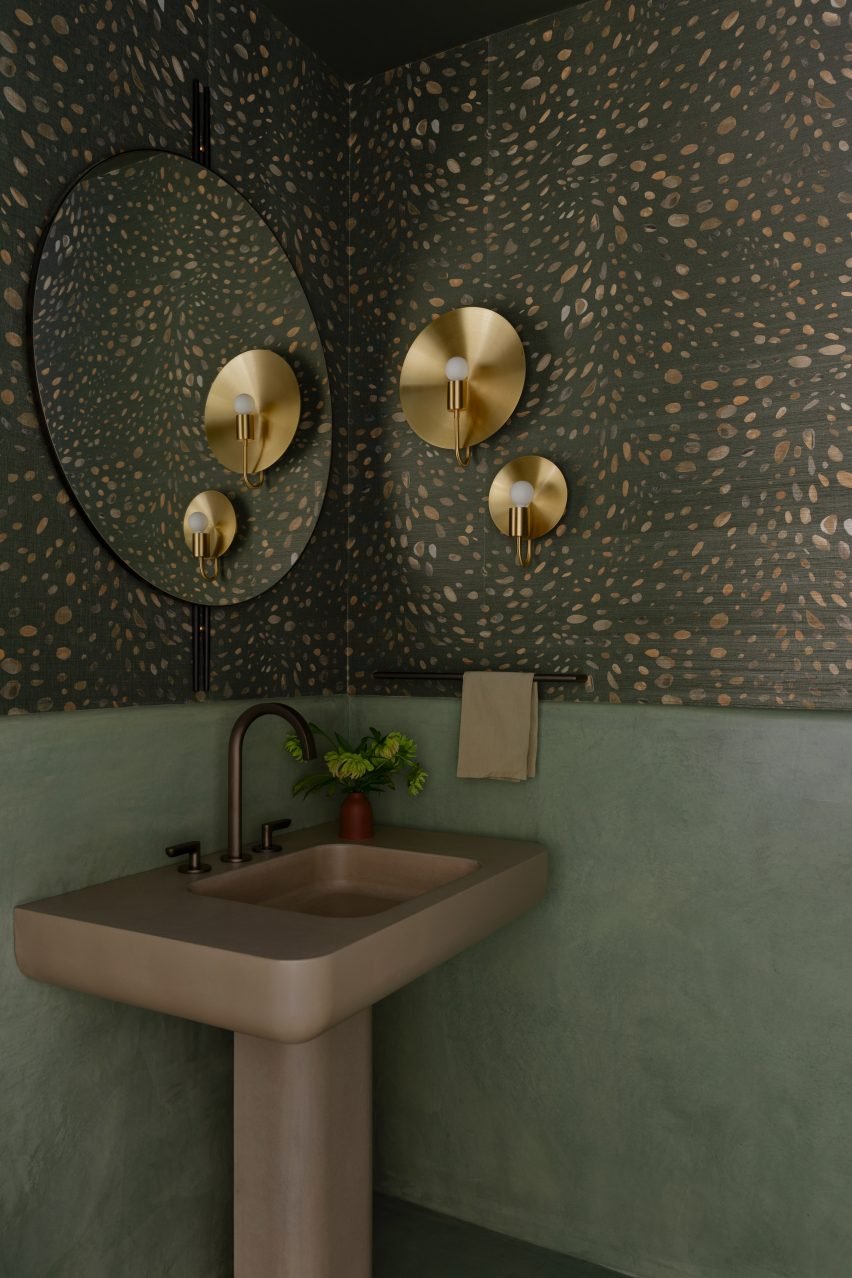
[
  {"x": 198, "y": 522},
  {"x": 203, "y": 543},
  {"x": 246, "y": 416},
  {"x": 209, "y": 528},
  {"x": 252, "y": 414}
]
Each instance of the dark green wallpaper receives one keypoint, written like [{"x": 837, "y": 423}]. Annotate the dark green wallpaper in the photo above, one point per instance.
[
  {"x": 78, "y": 83},
  {"x": 653, "y": 193}
]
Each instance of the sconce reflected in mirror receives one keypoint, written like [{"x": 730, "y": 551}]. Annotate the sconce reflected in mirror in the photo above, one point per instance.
[
  {"x": 462, "y": 379},
  {"x": 209, "y": 528},
  {"x": 246, "y": 417},
  {"x": 252, "y": 413},
  {"x": 528, "y": 498}
]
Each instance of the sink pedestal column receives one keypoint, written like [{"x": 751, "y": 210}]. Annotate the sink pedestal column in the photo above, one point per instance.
[{"x": 303, "y": 1184}]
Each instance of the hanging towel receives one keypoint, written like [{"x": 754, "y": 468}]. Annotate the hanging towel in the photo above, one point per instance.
[{"x": 499, "y": 726}]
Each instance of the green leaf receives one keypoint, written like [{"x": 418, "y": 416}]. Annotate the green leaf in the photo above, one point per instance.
[
  {"x": 310, "y": 784},
  {"x": 320, "y": 732},
  {"x": 417, "y": 779}
]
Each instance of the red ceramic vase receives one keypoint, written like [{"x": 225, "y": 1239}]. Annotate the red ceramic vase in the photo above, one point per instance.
[{"x": 356, "y": 817}]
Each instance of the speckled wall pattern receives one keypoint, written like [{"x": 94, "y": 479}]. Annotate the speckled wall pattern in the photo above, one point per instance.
[
  {"x": 279, "y": 135},
  {"x": 81, "y": 82},
  {"x": 653, "y": 193}
]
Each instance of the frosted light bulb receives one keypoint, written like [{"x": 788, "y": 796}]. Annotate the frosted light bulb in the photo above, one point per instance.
[
  {"x": 521, "y": 493},
  {"x": 457, "y": 369},
  {"x": 244, "y": 404},
  {"x": 197, "y": 522}
]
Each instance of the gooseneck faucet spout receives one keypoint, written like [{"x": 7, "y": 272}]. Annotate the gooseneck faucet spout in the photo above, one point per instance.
[{"x": 235, "y": 855}]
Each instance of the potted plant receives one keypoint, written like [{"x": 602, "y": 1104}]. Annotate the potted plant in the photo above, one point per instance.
[{"x": 357, "y": 770}]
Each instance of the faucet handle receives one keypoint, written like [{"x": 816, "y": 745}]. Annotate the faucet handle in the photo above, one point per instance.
[
  {"x": 195, "y": 865},
  {"x": 266, "y": 832}
]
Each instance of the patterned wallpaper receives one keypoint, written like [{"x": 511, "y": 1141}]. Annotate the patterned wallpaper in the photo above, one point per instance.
[
  {"x": 652, "y": 192},
  {"x": 78, "y": 82}
]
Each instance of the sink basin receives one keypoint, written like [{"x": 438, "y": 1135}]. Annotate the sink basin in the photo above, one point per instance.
[
  {"x": 290, "y": 944},
  {"x": 290, "y": 952},
  {"x": 340, "y": 880}
]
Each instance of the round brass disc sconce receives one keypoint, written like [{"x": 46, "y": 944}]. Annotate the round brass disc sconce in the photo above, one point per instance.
[
  {"x": 252, "y": 413},
  {"x": 209, "y": 528},
  {"x": 462, "y": 379},
  {"x": 528, "y": 498}
]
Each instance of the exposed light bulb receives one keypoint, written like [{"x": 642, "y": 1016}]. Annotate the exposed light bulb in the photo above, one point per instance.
[
  {"x": 457, "y": 369},
  {"x": 521, "y": 493},
  {"x": 198, "y": 522},
  {"x": 244, "y": 404}
]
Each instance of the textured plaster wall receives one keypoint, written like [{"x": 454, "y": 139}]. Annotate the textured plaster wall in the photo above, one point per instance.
[
  {"x": 115, "y": 1123},
  {"x": 651, "y": 1069}
]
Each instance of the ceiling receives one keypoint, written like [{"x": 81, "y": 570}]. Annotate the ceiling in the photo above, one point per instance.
[{"x": 358, "y": 40}]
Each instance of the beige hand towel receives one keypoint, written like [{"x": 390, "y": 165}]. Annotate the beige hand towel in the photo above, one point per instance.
[{"x": 499, "y": 726}]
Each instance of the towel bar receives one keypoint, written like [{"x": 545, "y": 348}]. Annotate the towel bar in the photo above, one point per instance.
[{"x": 457, "y": 675}]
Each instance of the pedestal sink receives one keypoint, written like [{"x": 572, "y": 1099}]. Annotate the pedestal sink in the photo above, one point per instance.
[{"x": 289, "y": 952}]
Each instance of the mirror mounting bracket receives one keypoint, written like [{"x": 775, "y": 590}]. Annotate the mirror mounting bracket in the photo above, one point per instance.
[
  {"x": 200, "y": 619},
  {"x": 201, "y": 123}
]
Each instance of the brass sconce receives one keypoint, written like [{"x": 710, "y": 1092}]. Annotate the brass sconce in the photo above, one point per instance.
[
  {"x": 457, "y": 373},
  {"x": 528, "y": 497},
  {"x": 209, "y": 527},
  {"x": 462, "y": 379},
  {"x": 246, "y": 418},
  {"x": 252, "y": 413}
]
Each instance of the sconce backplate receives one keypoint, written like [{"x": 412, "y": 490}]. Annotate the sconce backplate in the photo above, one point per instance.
[
  {"x": 495, "y": 354},
  {"x": 272, "y": 384},
  {"x": 220, "y": 514},
  {"x": 551, "y": 493}
]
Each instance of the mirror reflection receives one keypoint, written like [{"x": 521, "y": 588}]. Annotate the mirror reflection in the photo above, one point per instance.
[{"x": 154, "y": 274}]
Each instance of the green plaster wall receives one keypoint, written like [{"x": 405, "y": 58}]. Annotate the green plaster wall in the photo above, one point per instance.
[
  {"x": 116, "y": 1122},
  {"x": 651, "y": 1069}
]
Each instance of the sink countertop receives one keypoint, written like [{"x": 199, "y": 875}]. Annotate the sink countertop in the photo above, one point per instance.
[{"x": 150, "y": 940}]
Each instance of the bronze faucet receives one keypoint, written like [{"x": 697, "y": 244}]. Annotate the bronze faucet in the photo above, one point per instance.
[{"x": 235, "y": 854}]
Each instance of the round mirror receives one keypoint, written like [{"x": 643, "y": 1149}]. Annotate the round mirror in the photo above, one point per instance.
[{"x": 155, "y": 274}]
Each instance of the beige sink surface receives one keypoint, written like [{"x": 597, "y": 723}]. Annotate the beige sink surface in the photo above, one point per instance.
[
  {"x": 340, "y": 880},
  {"x": 292, "y": 943}
]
